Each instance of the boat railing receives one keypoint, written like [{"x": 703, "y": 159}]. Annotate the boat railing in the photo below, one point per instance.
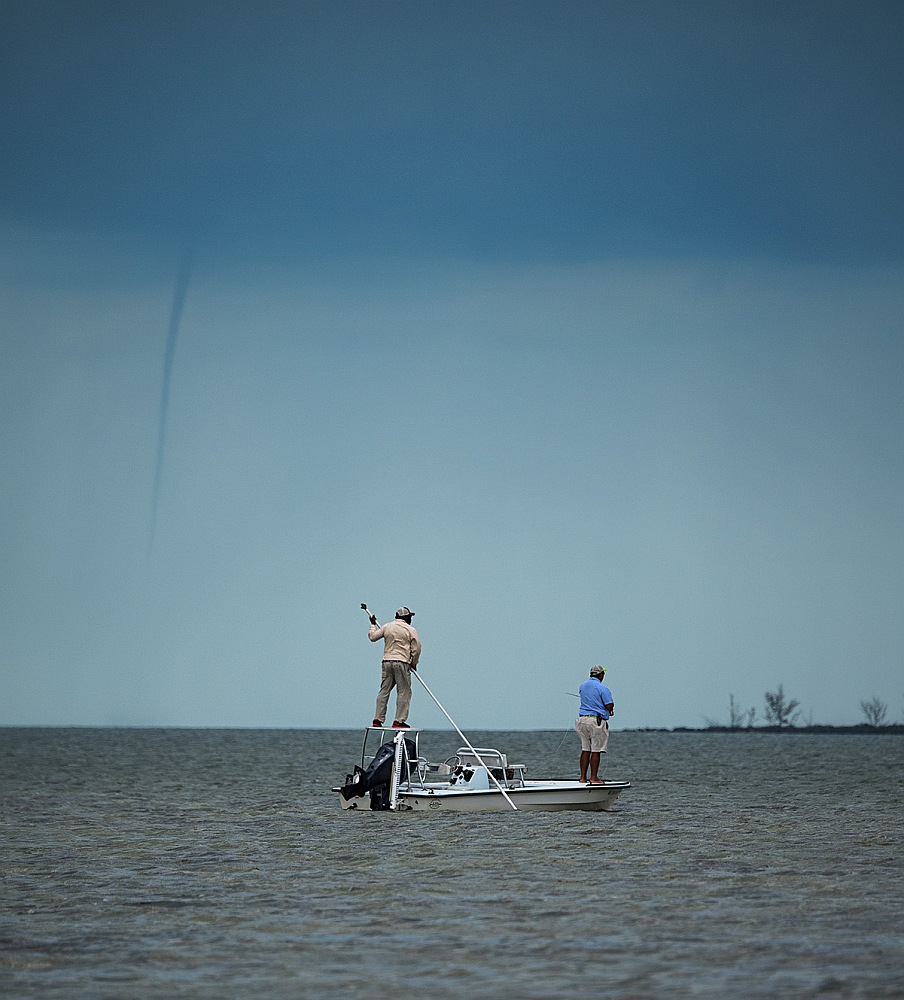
[
  {"x": 510, "y": 775},
  {"x": 425, "y": 771},
  {"x": 385, "y": 736},
  {"x": 461, "y": 765},
  {"x": 481, "y": 757}
]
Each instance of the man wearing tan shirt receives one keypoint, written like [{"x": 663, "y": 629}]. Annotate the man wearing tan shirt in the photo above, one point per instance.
[{"x": 401, "y": 651}]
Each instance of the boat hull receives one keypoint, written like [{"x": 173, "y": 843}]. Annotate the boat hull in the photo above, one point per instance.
[
  {"x": 541, "y": 796},
  {"x": 547, "y": 796}
]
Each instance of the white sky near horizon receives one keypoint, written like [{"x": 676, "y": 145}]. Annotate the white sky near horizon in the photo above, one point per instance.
[{"x": 672, "y": 445}]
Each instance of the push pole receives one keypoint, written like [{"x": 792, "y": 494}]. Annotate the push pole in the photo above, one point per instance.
[
  {"x": 416, "y": 673},
  {"x": 505, "y": 794}
]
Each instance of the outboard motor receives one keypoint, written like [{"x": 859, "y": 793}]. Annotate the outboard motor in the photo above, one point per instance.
[{"x": 375, "y": 779}]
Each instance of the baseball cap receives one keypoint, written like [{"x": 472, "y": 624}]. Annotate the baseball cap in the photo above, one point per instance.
[
  {"x": 597, "y": 671},
  {"x": 404, "y": 613}
]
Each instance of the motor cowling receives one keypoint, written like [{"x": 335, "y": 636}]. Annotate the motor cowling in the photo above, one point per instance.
[{"x": 376, "y": 777}]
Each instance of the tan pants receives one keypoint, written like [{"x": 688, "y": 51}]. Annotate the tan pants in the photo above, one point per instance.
[{"x": 396, "y": 674}]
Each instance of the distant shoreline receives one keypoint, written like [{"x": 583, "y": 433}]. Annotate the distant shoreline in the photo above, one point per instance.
[{"x": 862, "y": 729}]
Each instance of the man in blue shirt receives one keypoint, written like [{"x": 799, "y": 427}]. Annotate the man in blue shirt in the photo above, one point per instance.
[{"x": 592, "y": 724}]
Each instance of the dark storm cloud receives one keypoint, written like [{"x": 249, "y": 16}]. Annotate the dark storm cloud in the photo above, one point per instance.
[{"x": 503, "y": 129}]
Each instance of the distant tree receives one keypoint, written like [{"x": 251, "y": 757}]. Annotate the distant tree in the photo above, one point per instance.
[
  {"x": 874, "y": 710},
  {"x": 739, "y": 718},
  {"x": 779, "y": 710}
]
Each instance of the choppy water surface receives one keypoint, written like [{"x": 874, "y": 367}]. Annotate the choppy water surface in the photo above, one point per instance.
[{"x": 215, "y": 863}]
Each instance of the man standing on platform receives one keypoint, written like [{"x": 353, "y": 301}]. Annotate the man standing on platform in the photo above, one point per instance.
[
  {"x": 592, "y": 724},
  {"x": 401, "y": 651}
]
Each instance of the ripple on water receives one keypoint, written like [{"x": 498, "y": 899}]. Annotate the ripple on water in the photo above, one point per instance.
[{"x": 150, "y": 863}]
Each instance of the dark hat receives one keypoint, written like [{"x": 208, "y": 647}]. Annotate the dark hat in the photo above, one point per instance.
[{"x": 404, "y": 613}]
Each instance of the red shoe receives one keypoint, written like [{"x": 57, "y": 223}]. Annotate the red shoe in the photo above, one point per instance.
[
  {"x": 377, "y": 724},
  {"x": 400, "y": 725}
]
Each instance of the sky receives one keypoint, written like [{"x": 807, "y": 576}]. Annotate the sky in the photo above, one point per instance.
[{"x": 575, "y": 327}]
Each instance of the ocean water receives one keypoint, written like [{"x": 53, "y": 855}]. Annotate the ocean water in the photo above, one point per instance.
[{"x": 217, "y": 864}]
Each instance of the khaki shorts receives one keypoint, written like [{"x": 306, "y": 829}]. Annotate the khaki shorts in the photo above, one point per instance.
[{"x": 594, "y": 736}]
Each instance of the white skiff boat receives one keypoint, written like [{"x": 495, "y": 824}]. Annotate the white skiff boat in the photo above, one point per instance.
[{"x": 474, "y": 779}]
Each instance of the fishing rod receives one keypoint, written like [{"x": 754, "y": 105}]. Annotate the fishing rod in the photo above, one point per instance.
[{"x": 467, "y": 742}]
